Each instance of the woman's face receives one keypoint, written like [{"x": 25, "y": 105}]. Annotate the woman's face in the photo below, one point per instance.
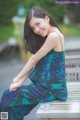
[{"x": 40, "y": 26}]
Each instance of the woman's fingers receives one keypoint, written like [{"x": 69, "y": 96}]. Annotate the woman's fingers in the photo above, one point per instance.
[{"x": 12, "y": 87}]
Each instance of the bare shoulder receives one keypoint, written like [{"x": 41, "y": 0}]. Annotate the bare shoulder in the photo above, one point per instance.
[
  {"x": 52, "y": 38},
  {"x": 53, "y": 35},
  {"x": 57, "y": 39},
  {"x": 52, "y": 42}
]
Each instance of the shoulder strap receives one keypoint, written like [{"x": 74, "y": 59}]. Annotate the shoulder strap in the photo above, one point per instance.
[{"x": 60, "y": 41}]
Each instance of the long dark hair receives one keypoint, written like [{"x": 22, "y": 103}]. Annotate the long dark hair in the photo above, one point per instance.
[{"x": 33, "y": 42}]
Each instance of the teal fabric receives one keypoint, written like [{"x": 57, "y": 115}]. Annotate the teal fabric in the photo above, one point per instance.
[
  {"x": 48, "y": 84},
  {"x": 50, "y": 74}
]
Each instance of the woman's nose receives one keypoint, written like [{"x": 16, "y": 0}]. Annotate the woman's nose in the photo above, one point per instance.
[{"x": 37, "y": 29}]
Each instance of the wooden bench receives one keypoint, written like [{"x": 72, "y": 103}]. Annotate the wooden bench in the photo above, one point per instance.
[
  {"x": 67, "y": 110},
  {"x": 73, "y": 74},
  {"x": 72, "y": 61}
]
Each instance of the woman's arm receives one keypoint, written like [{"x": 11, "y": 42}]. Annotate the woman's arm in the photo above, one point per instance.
[
  {"x": 16, "y": 84},
  {"x": 26, "y": 70},
  {"x": 15, "y": 80},
  {"x": 50, "y": 43}
]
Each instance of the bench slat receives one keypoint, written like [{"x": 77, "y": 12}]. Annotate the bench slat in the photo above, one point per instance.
[{"x": 58, "y": 110}]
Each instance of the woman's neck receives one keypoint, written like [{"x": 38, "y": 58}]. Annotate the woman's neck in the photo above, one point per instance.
[{"x": 53, "y": 29}]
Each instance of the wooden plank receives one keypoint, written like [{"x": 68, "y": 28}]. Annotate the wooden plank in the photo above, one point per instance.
[
  {"x": 60, "y": 110},
  {"x": 73, "y": 74},
  {"x": 71, "y": 57},
  {"x": 60, "y": 119}
]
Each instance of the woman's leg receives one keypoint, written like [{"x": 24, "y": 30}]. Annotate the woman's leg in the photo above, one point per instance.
[
  {"x": 18, "y": 112},
  {"x": 17, "y": 103},
  {"x": 21, "y": 101}
]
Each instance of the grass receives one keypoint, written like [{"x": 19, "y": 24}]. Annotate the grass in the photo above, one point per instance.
[
  {"x": 6, "y": 32},
  {"x": 68, "y": 30}
]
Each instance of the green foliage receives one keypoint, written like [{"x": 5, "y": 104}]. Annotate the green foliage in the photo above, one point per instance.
[
  {"x": 68, "y": 30},
  {"x": 8, "y": 8},
  {"x": 72, "y": 13},
  {"x": 6, "y": 32},
  {"x": 56, "y": 10}
]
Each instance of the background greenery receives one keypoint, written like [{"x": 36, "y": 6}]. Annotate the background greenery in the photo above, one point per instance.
[
  {"x": 68, "y": 30},
  {"x": 9, "y": 8}
]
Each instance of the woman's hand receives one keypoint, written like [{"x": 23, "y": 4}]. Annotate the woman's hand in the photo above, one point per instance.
[
  {"x": 14, "y": 86},
  {"x": 15, "y": 80}
]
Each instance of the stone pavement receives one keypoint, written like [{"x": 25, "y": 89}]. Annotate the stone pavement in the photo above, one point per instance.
[{"x": 8, "y": 70}]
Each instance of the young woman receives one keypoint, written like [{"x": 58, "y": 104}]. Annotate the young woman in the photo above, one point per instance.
[{"x": 46, "y": 42}]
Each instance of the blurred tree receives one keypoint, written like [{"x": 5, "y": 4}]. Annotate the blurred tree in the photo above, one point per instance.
[
  {"x": 56, "y": 10},
  {"x": 72, "y": 11},
  {"x": 8, "y": 8}
]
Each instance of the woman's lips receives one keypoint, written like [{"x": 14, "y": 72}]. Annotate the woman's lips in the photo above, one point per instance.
[{"x": 41, "y": 33}]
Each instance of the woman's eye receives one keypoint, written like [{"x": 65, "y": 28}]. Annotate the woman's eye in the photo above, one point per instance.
[{"x": 38, "y": 23}]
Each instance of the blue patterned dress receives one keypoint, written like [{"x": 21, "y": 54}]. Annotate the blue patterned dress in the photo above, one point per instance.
[{"x": 48, "y": 84}]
